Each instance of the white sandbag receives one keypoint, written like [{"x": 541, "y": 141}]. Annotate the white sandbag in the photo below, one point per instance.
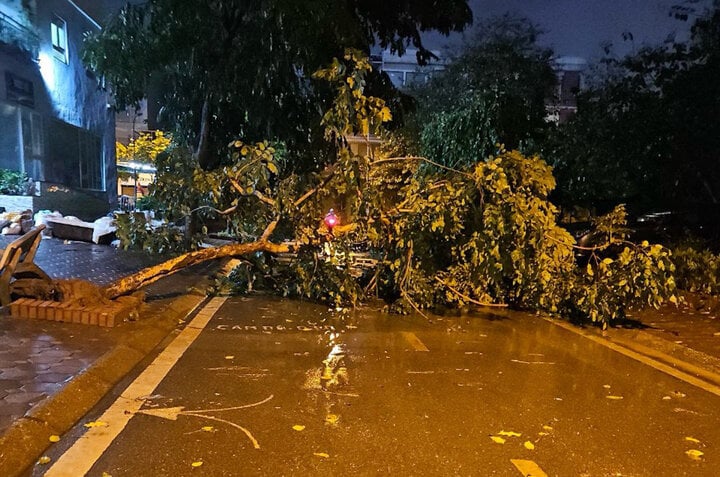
[{"x": 102, "y": 226}]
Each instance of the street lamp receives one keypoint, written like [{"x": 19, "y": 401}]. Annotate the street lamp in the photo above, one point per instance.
[{"x": 331, "y": 220}]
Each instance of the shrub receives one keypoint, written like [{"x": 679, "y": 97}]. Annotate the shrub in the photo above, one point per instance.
[{"x": 14, "y": 182}]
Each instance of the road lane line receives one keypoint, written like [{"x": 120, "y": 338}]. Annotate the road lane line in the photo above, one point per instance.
[
  {"x": 646, "y": 360},
  {"x": 414, "y": 341},
  {"x": 528, "y": 468},
  {"x": 82, "y": 455}
]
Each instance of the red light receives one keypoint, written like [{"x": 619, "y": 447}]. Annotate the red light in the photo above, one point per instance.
[{"x": 331, "y": 220}]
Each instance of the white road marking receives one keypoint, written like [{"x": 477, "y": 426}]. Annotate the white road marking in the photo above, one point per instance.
[
  {"x": 414, "y": 341},
  {"x": 79, "y": 459},
  {"x": 528, "y": 468},
  {"x": 172, "y": 413}
]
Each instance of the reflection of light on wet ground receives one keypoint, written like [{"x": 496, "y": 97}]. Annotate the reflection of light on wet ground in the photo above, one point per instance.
[{"x": 333, "y": 373}]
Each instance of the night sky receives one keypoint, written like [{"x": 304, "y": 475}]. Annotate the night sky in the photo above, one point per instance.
[
  {"x": 573, "y": 27},
  {"x": 578, "y": 27}
]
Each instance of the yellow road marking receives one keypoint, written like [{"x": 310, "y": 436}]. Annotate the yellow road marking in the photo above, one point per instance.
[
  {"x": 653, "y": 363},
  {"x": 528, "y": 468},
  {"x": 414, "y": 341}
]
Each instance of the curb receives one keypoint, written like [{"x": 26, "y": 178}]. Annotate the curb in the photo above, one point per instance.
[{"x": 28, "y": 437}]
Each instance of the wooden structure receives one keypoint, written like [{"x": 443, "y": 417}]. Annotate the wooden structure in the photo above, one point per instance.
[{"x": 17, "y": 262}]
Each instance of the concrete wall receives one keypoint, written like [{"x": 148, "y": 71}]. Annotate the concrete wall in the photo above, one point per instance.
[
  {"x": 64, "y": 93},
  {"x": 85, "y": 206}
]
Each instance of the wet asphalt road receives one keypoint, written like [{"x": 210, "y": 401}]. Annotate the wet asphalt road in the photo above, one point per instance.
[{"x": 278, "y": 387}]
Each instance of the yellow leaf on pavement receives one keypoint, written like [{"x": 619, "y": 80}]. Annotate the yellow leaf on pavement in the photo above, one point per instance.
[
  {"x": 332, "y": 418},
  {"x": 614, "y": 398},
  {"x": 547, "y": 428},
  {"x": 230, "y": 357},
  {"x": 197, "y": 464},
  {"x": 695, "y": 454},
  {"x": 509, "y": 434},
  {"x": 692, "y": 439},
  {"x": 321, "y": 454},
  {"x": 529, "y": 445},
  {"x": 298, "y": 427},
  {"x": 54, "y": 438},
  {"x": 44, "y": 460},
  {"x": 208, "y": 428},
  {"x": 497, "y": 440},
  {"x": 95, "y": 424}
]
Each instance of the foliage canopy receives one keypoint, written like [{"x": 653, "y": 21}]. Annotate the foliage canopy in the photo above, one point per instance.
[
  {"x": 494, "y": 92},
  {"x": 232, "y": 68},
  {"x": 647, "y": 134}
]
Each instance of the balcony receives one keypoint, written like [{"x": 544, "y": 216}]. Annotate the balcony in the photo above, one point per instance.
[{"x": 15, "y": 35}]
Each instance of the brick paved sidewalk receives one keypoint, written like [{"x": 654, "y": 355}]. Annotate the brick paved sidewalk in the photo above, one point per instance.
[
  {"x": 100, "y": 264},
  {"x": 38, "y": 357}
]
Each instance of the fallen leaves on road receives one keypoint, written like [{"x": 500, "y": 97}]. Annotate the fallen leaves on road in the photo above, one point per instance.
[
  {"x": 298, "y": 427},
  {"x": 529, "y": 445},
  {"x": 692, "y": 439},
  {"x": 197, "y": 463},
  {"x": 497, "y": 440},
  {"x": 614, "y": 398},
  {"x": 44, "y": 460},
  {"x": 509, "y": 434},
  {"x": 208, "y": 429},
  {"x": 229, "y": 357},
  {"x": 695, "y": 454},
  {"x": 92, "y": 424},
  {"x": 54, "y": 438},
  {"x": 321, "y": 454},
  {"x": 332, "y": 419}
]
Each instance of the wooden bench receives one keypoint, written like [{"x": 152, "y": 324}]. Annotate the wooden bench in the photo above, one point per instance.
[{"x": 17, "y": 262}]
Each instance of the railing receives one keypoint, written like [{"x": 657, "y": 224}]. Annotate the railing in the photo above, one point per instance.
[
  {"x": 126, "y": 203},
  {"x": 15, "y": 34}
]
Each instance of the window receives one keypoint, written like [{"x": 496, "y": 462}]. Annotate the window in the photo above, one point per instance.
[
  {"x": 19, "y": 90},
  {"x": 58, "y": 35},
  {"x": 75, "y": 157}
]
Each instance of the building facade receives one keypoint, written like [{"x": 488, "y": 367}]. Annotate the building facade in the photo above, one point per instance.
[{"x": 55, "y": 122}]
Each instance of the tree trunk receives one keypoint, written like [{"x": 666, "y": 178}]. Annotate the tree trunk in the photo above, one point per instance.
[
  {"x": 129, "y": 284},
  {"x": 203, "y": 147}
]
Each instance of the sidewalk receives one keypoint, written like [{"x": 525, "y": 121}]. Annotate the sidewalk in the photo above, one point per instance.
[{"x": 51, "y": 373}]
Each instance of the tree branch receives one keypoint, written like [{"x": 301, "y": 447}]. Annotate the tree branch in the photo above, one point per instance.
[
  {"x": 227, "y": 211},
  {"x": 467, "y": 298},
  {"x": 148, "y": 275},
  {"x": 330, "y": 171},
  {"x": 419, "y": 158}
]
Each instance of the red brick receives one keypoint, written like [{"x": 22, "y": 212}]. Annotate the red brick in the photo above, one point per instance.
[
  {"x": 15, "y": 309},
  {"x": 50, "y": 311},
  {"x": 33, "y": 309},
  {"x": 76, "y": 314},
  {"x": 111, "y": 319},
  {"x": 24, "y": 311},
  {"x": 62, "y": 313},
  {"x": 42, "y": 310}
]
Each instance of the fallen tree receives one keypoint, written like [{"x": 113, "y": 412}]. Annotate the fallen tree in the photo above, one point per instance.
[{"x": 482, "y": 235}]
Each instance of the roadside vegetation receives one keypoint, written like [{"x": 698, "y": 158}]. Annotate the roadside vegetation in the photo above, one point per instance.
[{"x": 459, "y": 207}]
